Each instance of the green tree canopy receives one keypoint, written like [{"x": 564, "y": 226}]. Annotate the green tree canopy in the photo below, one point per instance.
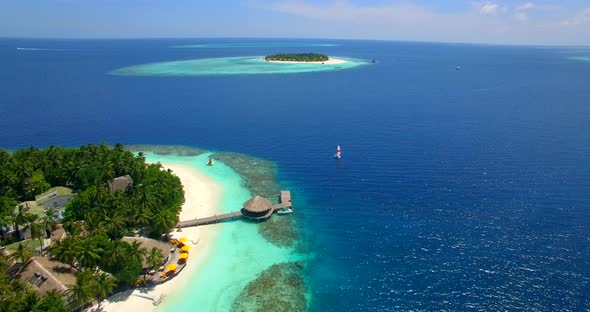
[{"x": 301, "y": 57}]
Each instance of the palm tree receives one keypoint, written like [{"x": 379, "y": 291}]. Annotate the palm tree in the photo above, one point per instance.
[
  {"x": 137, "y": 251},
  {"x": 37, "y": 230},
  {"x": 22, "y": 253},
  {"x": 4, "y": 220},
  {"x": 118, "y": 254},
  {"x": 82, "y": 291},
  {"x": 21, "y": 216},
  {"x": 49, "y": 221},
  {"x": 104, "y": 286},
  {"x": 70, "y": 170},
  {"x": 142, "y": 217},
  {"x": 74, "y": 227},
  {"x": 66, "y": 251},
  {"x": 163, "y": 222},
  {"x": 30, "y": 300},
  {"x": 113, "y": 225},
  {"x": 52, "y": 301},
  {"x": 23, "y": 170},
  {"x": 145, "y": 199},
  {"x": 155, "y": 257},
  {"x": 89, "y": 255}
]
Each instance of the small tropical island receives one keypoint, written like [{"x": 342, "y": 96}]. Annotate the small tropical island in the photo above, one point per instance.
[{"x": 301, "y": 57}]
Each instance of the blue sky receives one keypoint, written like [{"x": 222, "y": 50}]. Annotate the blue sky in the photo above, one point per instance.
[{"x": 508, "y": 21}]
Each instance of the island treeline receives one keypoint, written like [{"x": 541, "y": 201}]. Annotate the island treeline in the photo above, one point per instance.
[
  {"x": 95, "y": 219},
  {"x": 301, "y": 57}
]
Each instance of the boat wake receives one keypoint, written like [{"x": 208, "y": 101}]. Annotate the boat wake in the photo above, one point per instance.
[{"x": 38, "y": 49}]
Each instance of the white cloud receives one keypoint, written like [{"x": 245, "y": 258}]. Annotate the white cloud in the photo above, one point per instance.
[
  {"x": 488, "y": 8},
  {"x": 486, "y": 22},
  {"x": 582, "y": 18},
  {"x": 525, "y": 6},
  {"x": 521, "y": 11},
  {"x": 534, "y": 6},
  {"x": 521, "y": 16}
]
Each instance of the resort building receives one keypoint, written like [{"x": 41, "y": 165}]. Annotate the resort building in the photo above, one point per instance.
[
  {"x": 257, "y": 208},
  {"x": 57, "y": 202},
  {"x": 121, "y": 184},
  {"x": 46, "y": 274}
]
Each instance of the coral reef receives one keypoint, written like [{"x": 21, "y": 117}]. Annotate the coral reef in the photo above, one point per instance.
[
  {"x": 259, "y": 177},
  {"x": 280, "y": 288}
]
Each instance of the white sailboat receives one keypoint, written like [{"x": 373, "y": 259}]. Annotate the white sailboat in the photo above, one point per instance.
[{"x": 338, "y": 154}]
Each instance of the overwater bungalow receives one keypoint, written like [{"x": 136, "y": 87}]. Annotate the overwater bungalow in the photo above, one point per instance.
[{"x": 257, "y": 208}]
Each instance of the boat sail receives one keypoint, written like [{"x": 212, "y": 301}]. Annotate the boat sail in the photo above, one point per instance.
[{"x": 338, "y": 154}]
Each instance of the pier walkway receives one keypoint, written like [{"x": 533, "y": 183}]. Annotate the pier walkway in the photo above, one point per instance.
[
  {"x": 285, "y": 202},
  {"x": 209, "y": 220}
]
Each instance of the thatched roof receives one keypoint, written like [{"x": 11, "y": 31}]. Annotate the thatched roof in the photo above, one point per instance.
[
  {"x": 123, "y": 183},
  {"x": 148, "y": 244},
  {"x": 47, "y": 274},
  {"x": 257, "y": 204},
  {"x": 58, "y": 234}
]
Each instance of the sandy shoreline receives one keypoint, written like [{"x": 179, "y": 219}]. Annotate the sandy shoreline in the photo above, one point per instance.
[
  {"x": 329, "y": 61},
  {"x": 202, "y": 198}
]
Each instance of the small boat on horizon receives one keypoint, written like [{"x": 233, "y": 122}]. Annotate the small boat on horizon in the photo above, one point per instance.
[{"x": 338, "y": 154}]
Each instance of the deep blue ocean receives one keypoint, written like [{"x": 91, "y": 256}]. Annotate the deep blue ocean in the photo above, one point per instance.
[{"x": 458, "y": 190}]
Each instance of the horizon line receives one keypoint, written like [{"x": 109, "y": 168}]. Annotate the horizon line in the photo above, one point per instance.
[{"x": 295, "y": 38}]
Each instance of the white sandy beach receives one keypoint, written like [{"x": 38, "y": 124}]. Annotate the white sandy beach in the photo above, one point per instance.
[
  {"x": 329, "y": 61},
  {"x": 202, "y": 199}
]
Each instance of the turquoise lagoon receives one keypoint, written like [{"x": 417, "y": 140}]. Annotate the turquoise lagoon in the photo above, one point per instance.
[
  {"x": 581, "y": 58},
  {"x": 243, "y": 65},
  {"x": 239, "y": 254}
]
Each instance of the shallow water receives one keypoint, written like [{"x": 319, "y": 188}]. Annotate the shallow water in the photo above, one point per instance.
[
  {"x": 238, "y": 255},
  {"x": 249, "y": 65}
]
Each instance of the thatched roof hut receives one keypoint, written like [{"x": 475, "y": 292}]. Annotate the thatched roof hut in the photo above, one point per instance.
[
  {"x": 47, "y": 274},
  {"x": 257, "y": 208},
  {"x": 122, "y": 184},
  {"x": 148, "y": 244}
]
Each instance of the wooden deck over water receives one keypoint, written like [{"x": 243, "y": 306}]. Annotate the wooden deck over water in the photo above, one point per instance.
[
  {"x": 209, "y": 220},
  {"x": 285, "y": 199}
]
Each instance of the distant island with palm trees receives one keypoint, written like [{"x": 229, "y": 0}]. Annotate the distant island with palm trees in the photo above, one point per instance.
[{"x": 301, "y": 57}]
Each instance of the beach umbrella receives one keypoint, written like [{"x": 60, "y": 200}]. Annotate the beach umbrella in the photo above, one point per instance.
[
  {"x": 171, "y": 267},
  {"x": 183, "y": 256},
  {"x": 183, "y": 240},
  {"x": 185, "y": 248}
]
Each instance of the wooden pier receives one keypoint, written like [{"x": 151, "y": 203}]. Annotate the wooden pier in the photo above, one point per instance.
[
  {"x": 285, "y": 202},
  {"x": 209, "y": 220}
]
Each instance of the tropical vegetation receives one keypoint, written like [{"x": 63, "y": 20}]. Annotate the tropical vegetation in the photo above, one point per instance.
[
  {"x": 301, "y": 57},
  {"x": 17, "y": 296},
  {"x": 95, "y": 219}
]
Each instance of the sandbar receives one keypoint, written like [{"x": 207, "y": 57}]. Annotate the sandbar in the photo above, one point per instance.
[{"x": 202, "y": 199}]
